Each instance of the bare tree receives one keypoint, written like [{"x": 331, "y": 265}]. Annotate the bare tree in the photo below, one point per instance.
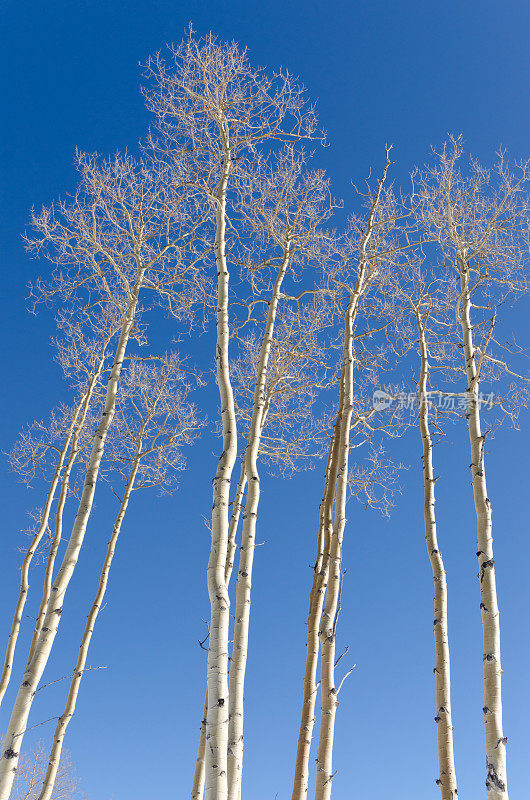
[
  {"x": 426, "y": 326},
  {"x": 214, "y": 112},
  {"x": 125, "y": 229},
  {"x": 479, "y": 219},
  {"x": 31, "y": 771},
  {"x": 282, "y": 212},
  {"x": 83, "y": 359},
  {"x": 153, "y": 422},
  {"x": 366, "y": 252},
  {"x": 371, "y": 257},
  {"x": 290, "y": 209}
]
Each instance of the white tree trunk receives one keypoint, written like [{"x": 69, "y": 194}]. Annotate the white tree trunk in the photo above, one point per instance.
[
  {"x": 216, "y": 781},
  {"x": 447, "y": 777},
  {"x": 197, "y": 789},
  {"x": 496, "y": 779},
  {"x": 324, "y": 760},
  {"x": 69, "y": 710},
  {"x": 32, "y": 675},
  {"x": 248, "y": 543},
  {"x": 237, "y": 507},
  {"x": 65, "y": 485},
  {"x": 316, "y": 603},
  {"x": 24, "y": 575},
  {"x": 71, "y": 443}
]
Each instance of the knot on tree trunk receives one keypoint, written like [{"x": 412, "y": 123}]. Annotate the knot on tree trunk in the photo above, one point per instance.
[
  {"x": 484, "y": 566},
  {"x": 493, "y": 780},
  {"x": 489, "y": 657}
]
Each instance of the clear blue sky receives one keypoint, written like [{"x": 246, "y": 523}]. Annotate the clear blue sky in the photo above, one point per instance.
[{"x": 406, "y": 73}]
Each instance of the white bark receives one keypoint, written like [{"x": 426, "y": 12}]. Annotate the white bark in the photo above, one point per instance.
[
  {"x": 327, "y": 630},
  {"x": 34, "y": 671},
  {"x": 496, "y": 779},
  {"x": 447, "y": 777},
  {"x": 69, "y": 710},
  {"x": 237, "y": 507},
  {"x": 324, "y": 760},
  {"x": 197, "y": 789},
  {"x": 316, "y": 603},
  {"x": 70, "y": 447},
  {"x": 24, "y": 575},
  {"x": 65, "y": 485},
  {"x": 216, "y": 782},
  {"x": 248, "y": 542}
]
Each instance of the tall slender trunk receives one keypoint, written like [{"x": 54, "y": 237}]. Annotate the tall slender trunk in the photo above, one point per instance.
[
  {"x": 316, "y": 604},
  {"x": 237, "y": 507},
  {"x": 496, "y": 779},
  {"x": 32, "y": 675},
  {"x": 69, "y": 709},
  {"x": 24, "y": 575},
  {"x": 70, "y": 444},
  {"x": 447, "y": 777},
  {"x": 197, "y": 788},
  {"x": 327, "y": 632},
  {"x": 216, "y": 782},
  {"x": 65, "y": 485},
  {"x": 328, "y": 690},
  {"x": 248, "y": 543}
]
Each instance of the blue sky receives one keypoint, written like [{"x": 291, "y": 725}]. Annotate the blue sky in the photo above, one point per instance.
[{"x": 405, "y": 73}]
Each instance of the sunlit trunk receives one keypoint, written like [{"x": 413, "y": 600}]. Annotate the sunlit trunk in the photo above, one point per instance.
[
  {"x": 447, "y": 777},
  {"x": 248, "y": 543},
  {"x": 197, "y": 789},
  {"x": 33, "y": 673},
  {"x": 24, "y": 575},
  {"x": 496, "y": 780},
  {"x": 69, "y": 710},
  {"x": 216, "y": 780},
  {"x": 316, "y": 603}
]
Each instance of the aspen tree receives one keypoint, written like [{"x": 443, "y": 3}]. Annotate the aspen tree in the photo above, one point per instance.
[
  {"x": 443, "y": 718},
  {"x": 316, "y": 602},
  {"x": 291, "y": 211},
  {"x": 323, "y": 601},
  {"x": 372, "y": 249},
  {"x": 83, "y": 363},
  {"x": 31, "y": 771},
  {"x": 81, "y": 357},
  {"x": 153, "y": 422},
  {"x": 479, "y": 218},
  {"x": 427, "y": 328},
  {"x": 63, "y": 453},
  {"x": 283, "y": 209},
  {"x": 114, "y": 238},
  {"x": 214, "y": 111}
]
